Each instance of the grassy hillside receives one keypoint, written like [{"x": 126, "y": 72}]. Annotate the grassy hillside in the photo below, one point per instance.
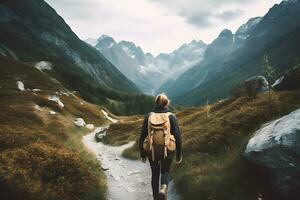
[
  {"x": 213, "y": 144},
  {"x": 41, "y": 154}
]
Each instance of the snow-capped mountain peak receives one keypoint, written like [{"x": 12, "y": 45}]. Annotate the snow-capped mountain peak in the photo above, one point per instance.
[
  {"x": 92, "y": 41},
  {"x": 131, "y": 60},
  {"x": 105, "y": 42},
  {"x": 244, "y": 31}
]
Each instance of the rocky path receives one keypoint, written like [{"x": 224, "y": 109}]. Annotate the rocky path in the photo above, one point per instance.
[{"x": 126, "y": 179}]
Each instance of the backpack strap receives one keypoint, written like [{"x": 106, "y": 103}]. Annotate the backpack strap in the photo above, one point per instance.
[
  {"x": 169, "y": 113},
  {"x": 167, "y": 137},
  {"x": 150, "y": 137}
]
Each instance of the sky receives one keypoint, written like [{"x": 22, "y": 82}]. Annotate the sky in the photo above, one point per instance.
[{"x": 158, "y": 25}]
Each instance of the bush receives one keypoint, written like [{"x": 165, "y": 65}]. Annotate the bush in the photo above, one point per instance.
[{"x": 46, "y": 172}]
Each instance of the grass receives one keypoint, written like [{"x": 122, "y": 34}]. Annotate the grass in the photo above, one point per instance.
[
  {"x": 123, "y": 132},
  {"x": 42, "y": 155},
  {"x": 213, "y": 164},
  {"x": 132, "y": 152}
]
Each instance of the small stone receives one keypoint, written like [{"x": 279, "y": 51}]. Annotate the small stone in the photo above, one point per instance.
[
  {"x": 79, "y": 122},
  {"x": 90, "y": 126},
  {"x": 52, "y": 112}
]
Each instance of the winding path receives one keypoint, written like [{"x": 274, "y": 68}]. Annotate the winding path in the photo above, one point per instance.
[{"x": 126, "y": 179}]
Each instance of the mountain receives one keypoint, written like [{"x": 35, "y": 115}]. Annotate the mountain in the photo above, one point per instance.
[
  {"x": 91, "y": 41},
  {"x": 181, "y": 59},
  {"x": 214, "y": 54},
  {"x": 154, "y": 71},
  {"x": 213, "y": 79},
  {"x": 134, "y": 52},
  {"x": 32, "y": 31},
  {"x": 174, "y": 63},
  {"x": 128, "y": 65},
  {"x": 244, "y": 31}
]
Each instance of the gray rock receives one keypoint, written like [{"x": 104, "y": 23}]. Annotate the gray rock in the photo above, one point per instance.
[
  {"x": 255, "y": 85},
  {"x": 276, "y": 146},
  {"x": 100, "y": 134},
  {"x": 104, "y": 168},
  {"x": 79, "y": 122},
  {"x": 289, "y": 81}
]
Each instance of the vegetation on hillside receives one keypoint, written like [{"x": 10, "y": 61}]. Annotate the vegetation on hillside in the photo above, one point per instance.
[
  {"x": 41, "y": 154},
  {"x": 214, "y": 167},
  {"x": 37, "y": 33},
  {"x": 213, "y": 145},
  {"x": 283, "y": 55}
]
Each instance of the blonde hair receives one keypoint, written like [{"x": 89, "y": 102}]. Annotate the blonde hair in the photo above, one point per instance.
[{"x": 162, "y": 101}]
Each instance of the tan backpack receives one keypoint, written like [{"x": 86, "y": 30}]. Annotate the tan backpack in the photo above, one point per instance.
[{"x": 159, "y": 141}]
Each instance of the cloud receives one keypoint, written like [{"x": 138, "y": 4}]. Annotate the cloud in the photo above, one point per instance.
[
  {"x": 205, "y": 14},
  {"x": 230, "y": 15},
  {"x": 200, "y": 20},
  {"x": 82, "y": 10},
  {"x": 158, "y": 25}
]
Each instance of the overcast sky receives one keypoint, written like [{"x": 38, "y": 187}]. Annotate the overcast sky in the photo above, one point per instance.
[{"x": 158, "y": 25}]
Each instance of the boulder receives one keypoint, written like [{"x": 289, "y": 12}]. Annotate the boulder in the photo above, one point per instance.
[
  {"x": 20, "y": 86},
  {"x": 256, "y": 84},
  {"x": 289, "y": 81},
  {"x": 100, "y": 133},
  {"x": 57, "y": 100},
  {"x": 90, "y": 126},
  {"x": 276, "y": 147},
  {"x": 79, "y": 122}
]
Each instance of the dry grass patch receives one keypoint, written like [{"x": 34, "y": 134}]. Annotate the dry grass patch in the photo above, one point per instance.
[
  {"x": 41, "y": 155},
  {"x": 123, "y": 132},
  {"x": 213, "y": 166}
]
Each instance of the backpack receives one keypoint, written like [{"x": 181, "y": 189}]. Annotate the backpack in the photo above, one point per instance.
[{"x": 159, "y": 141}]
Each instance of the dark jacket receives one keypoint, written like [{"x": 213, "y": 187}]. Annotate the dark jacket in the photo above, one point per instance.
[{"x": 174, "y": 130}]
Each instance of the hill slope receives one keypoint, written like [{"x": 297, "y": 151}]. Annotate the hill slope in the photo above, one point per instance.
[
  {"x": 214, "y": 140},
  {"x": 41, "y": 154},
  {"x": 32, "y": 31}
]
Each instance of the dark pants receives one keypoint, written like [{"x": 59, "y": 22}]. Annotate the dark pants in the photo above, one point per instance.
[{"x": 160, "y": 166}]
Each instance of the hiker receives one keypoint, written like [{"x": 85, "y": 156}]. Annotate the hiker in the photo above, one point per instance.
[{"x": 159, "y": 140}]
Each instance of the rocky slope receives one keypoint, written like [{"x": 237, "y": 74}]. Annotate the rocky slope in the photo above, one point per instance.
[
  {"x": 128, "y": 65},
  {"x": 214, "y": 54}
]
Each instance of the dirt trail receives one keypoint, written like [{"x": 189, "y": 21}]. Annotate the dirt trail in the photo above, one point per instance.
[{"x": 126, "y": 179}]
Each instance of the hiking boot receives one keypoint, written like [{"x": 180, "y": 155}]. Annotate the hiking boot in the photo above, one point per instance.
[{"x": 162, "y": 195}]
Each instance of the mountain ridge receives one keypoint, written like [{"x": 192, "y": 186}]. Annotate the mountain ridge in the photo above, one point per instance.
[
  {"x": 160, "y": 68},
  {"x": 244, "y": 59}
]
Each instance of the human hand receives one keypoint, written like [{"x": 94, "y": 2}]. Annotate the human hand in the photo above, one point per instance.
[{"x": 178, "y": 159}]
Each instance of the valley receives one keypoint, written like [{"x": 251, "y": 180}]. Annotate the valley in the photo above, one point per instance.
[
  {"x": 71, "y": 111},
  {"x": 145, "y": 70}
]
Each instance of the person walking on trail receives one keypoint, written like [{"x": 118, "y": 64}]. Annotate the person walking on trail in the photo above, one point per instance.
[{"x": 160, "y": 140}]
